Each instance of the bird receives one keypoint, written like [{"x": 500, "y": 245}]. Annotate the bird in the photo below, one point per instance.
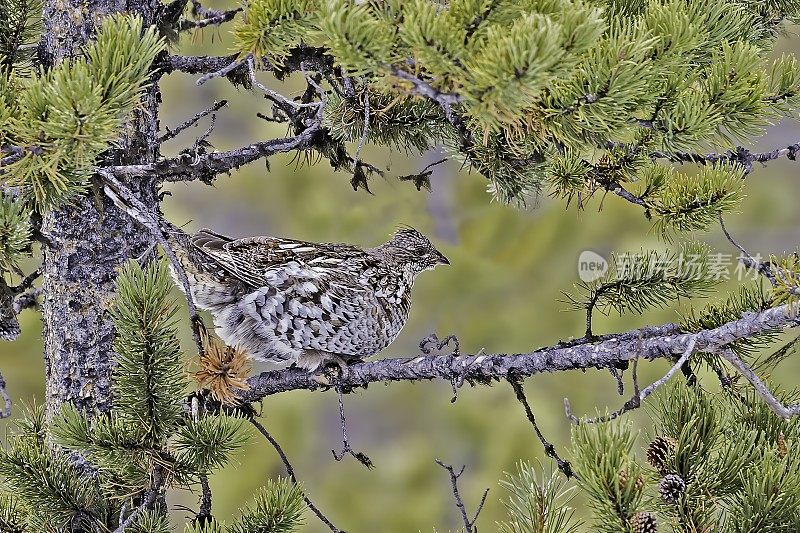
[{"x": 302, "y": 303}]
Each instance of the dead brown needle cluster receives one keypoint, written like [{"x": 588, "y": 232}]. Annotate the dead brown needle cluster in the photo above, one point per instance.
[{"x": 223, "y": 369}]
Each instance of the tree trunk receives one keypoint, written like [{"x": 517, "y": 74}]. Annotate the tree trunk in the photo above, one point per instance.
[{"x": 88, "y": 241}]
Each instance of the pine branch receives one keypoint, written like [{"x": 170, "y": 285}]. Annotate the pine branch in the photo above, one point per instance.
[
  {"x": 740, "y": 156},
  {"x": 649, "y": 344},
  {"x": 149, "y": 499},
  {"x": 212, "y": 18},
  {"x": 315, "y": 59},
  {"x": 638, "y": 395},
  {"x": 188, "y": 167},
  {"x": 784, "y": 411}
]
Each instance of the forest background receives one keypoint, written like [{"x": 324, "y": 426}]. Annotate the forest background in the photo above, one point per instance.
[{"x": 504, "y": 291}]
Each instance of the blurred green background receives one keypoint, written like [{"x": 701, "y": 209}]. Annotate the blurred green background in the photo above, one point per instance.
[{"x": 503, "y": 293}]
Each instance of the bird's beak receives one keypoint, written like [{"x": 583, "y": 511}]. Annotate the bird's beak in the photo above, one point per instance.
[{"x": 442, "y": 259}]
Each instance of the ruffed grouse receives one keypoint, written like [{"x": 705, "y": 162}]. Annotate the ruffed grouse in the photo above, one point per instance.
[{"x": 288, "y": 301}]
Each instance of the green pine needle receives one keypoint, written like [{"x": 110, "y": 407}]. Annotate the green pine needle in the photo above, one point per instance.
[
  {"x": 15, "y": 232},
  {"x": 73, "y": 111},
  {"x": 538, "y": 505},
  {"x": 149, "y": 381},
  {"x": 601, "y": 453},
  {"x": 635, "y": 282},
  {"x": 693, "y": 203},
  {"x": 203, "y": 445},
  {"x": 278, "y": 508}
]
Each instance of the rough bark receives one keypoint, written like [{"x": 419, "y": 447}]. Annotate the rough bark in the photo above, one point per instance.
[
  {"x": 89, "y": 240},
  {"x": 665, "y": 341}
]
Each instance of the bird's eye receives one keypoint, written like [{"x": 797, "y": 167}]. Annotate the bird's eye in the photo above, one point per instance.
[{"x": 419, "y": 250}]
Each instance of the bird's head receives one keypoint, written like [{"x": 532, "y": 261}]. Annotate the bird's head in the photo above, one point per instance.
[{"x": 408, "y": 247}]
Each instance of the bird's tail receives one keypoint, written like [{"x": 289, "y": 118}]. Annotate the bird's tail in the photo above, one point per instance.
[
  {"x": 192, "y": 259},
  {"x": 178, "y": 240}
]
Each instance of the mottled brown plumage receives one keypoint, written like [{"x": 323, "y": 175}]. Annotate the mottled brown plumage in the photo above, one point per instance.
[{"x": 284, "y": 300}]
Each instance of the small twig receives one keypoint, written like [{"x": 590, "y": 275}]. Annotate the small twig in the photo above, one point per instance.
[
  {"x": 290, "y": 472},
  {"x": 549, "y": 449},
  {"x": 617, "y": 374},
  {"x": 636, "y": 400},
  {"x": 149, "y": 499},
  {"x": 214, "y": 19},
  {"x": 748, "y": 260},
  {"x": 27, "y": 281},
  {"x": 424, "y": 89},
  {"x": 784, "y": 411},
  {"x": 361, "y": 457},
  {"x": 363, "y": 139},
  {"x": 469, "y": 525},
  {"x": 204, "y": 515},
  {"x": 223, "y": 71},
  {"x": 272, "y": 95},
  {"x": 192, "y": 121},
  {"x": 740, "y": 155},
  {"x": 27, "y": 300},
  {"x": 127, "y": 202},
  {"x": 433, "y": 338},
  {"x": 423, "y": 177}
]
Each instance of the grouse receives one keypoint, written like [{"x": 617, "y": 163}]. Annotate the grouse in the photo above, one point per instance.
[{"x": 290, "y": 301}]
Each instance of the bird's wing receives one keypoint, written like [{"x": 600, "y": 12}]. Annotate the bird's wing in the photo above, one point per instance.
[
  {"x": 308, "y": 296},
  {"x": 260, "y": 261}
]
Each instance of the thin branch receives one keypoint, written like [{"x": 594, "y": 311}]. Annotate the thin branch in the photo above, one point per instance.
[
  {"x": 638, "y": 396},
  {"x": 314, "y": 58},
  {"x": 423, "y": 177},
  {"x": 213, "y": 18},
  {"x": 361, "y": 457},
  {"x": 223, "y": 71},
  {"x": 424, "y": 89},
  {"x": 784, "y": 411},
  {"x": 649, "y": 343},
  {"x": 149, "y": 499},
  {"x": 741, "y": 156},
  {"x": 204, "y": 515},
  {"x": 549, "y": 449},
  {"x": 364, "y": 134},
  {"x": 192, "y": 121},
  {"x": 748, "y": 260},
  {"x": 189, "y": 167},
  {"x": 469, "y": 525},
  {"x": 272, "y": 95},
  {"x": 127, "y": 202},
  {"x": 27, "y": 281},
  {"x": 27, "y": 300},
  {"x": 290, "y": 472},
  {"x": 17, "y": 153}
]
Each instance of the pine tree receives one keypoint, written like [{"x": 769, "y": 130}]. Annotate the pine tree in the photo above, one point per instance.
[{"x": 576, "y": 99}]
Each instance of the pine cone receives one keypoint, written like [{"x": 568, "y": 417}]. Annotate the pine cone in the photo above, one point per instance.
[
  {"x": 671, "y": 487},
  {"x": 782, "y": 449},
  {"x": 644, "y": 522},
  {"x": 660, "y": 450},
  {"x": 623, "y": 480}
]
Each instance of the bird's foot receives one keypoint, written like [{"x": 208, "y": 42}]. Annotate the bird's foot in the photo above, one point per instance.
[{"x": 430, "y": 343}]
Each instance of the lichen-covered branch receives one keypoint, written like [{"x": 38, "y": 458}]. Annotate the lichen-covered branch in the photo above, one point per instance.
[
  {"x": 665, "y": 342},
  {"x": 189, "y": 167}
]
